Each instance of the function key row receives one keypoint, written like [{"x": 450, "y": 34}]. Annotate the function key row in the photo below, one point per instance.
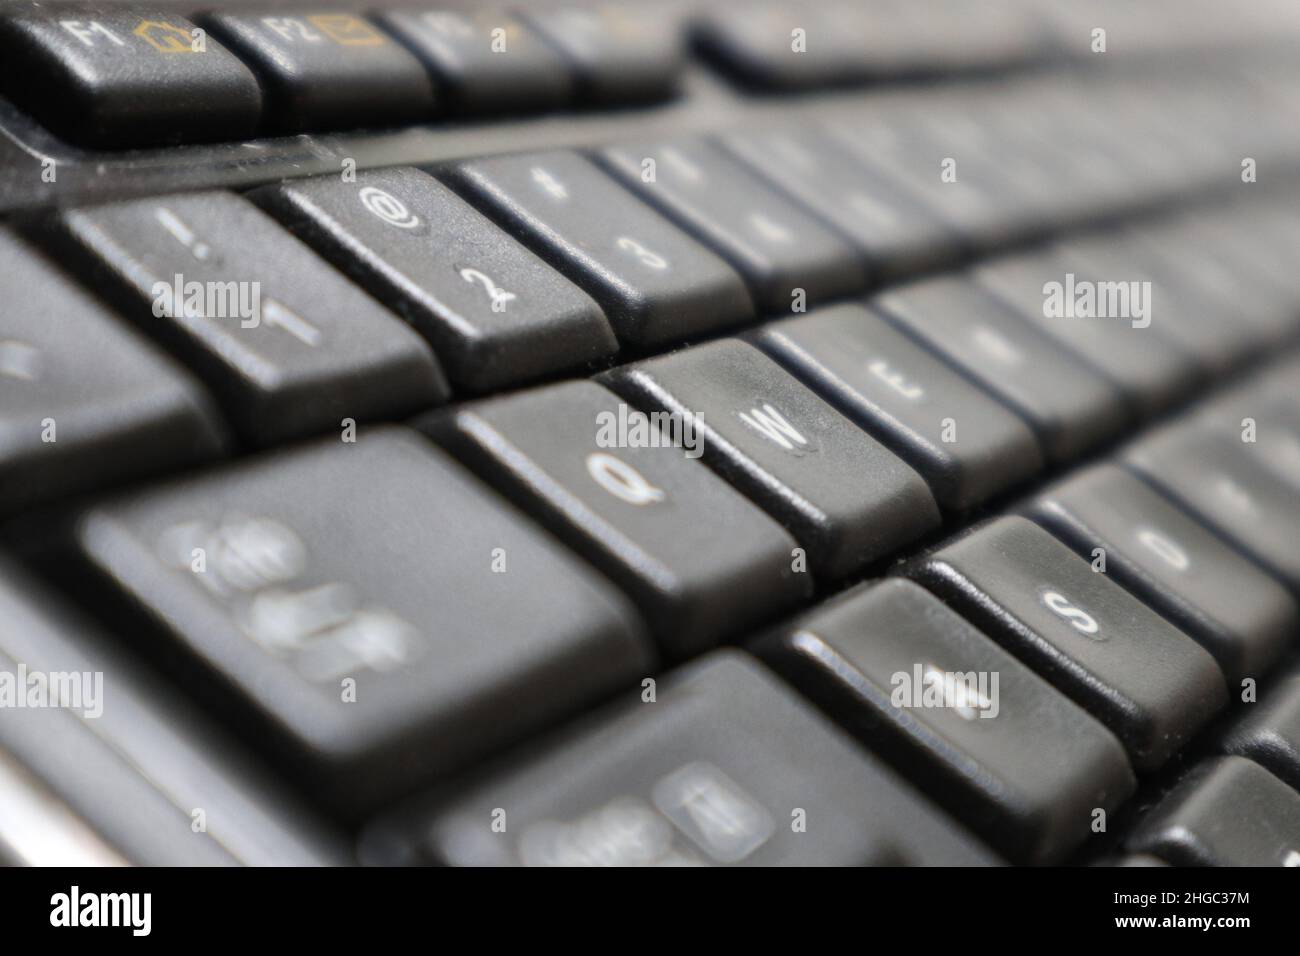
[
  {"x": 143, "y": 78},
  {"x": 788, "y": 45},
  {"x": 136, "y": 78}
]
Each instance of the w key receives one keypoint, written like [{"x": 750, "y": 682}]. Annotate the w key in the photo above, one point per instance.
[
  {"x": 845, "y": 497},
  {"x": 288, "y": 344}
]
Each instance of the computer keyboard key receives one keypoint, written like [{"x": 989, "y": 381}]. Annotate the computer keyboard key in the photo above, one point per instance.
[
  {"x": 844, "y": 497},
  {"x": 1150, "y": 368},
  {"x": 788, "y": 258},
  {"x": 1263, "y": 414},
  {"x": 656, "y": 284},
  {"x": 964, "y": 443},
  {"x": 1216, "y": 477},
  {"x": 495, "y": 313},
  {"x": 328, "y": 70},
  {"x": 1070, "y": 408},
  {"x": 928, "y": 171},
  {"x": 126, "y": 78},
  {"x": 84, "y": 401},
  {"x": 1191, "y": 576},
  {"x": 483, "y": 61},
  {"x": 618, "y": 53},
  {"x": 1005, "y": 752},
  {"x": 1228, "y": 811},
  {"x": 1268, "y": 732},
  {"x": 1178, "y": 308},
  {"x": 895, "y": 233},
  {"x": 727, "y": 767},
  {"x": 1134, "y": 671},
  {"x": 701, "y": 560},
  {"x": 368, "y": 612},
  {"x": 130, "y": 761},
  {"x": 288, "y": 344}
]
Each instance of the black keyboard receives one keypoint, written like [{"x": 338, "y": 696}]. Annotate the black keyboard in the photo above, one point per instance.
[{"x": 650, "y": 434}]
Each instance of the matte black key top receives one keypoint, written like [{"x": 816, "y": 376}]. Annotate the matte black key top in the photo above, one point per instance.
[
  {"x": 720, "y": 770},
  {"x": 496, "y": 314},
  {"x": 782, "y": 46},
  {"x": 618, "y": 53},
  {"x": 1268, "y": 732},
  {"x": 1217, "y": 266},
  {"x": 926, "y": 170},
  {"x": 330, "y": 70},
  {"x": 127, "y": 79},
  {"x": 1227, "y": 812},
  {"x": 1237, "y": 612},
  {"x": 701, "y": 560},
  {"x": 845, "y": 498},
  {"x": 134, "y": 762},
  {"x": 789, "y": 259},
  {"x": 1179, "y": 309},
  {"x": 84, "y": 401},
  {"x": 1264, "y": 416},
  {"x": 484, "y": 61},
  {"x": 896, "y": 233},
  {"x": 1215, "y": 477},
  {"x": 1151, "y": 369},
  {"x": 1069, "y": 407},
  {"x": 288, "y": 344},
  {"x": 965, "y": 444},
  {"x": 656, "y": 284},
  {"x": 1017, "y": 761},
  {"x": 368, "y": 611},
  {"x": 1133, "y": 670}
]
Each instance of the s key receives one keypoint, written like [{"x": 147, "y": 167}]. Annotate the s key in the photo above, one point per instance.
[
  {"x": 656, "y": 284},
  {"x": 495, "y": 312},
  {"x": 288, "y": 344},
  {"x": 1138, "y": 674},
  {"x": 1239, "y": 614}
]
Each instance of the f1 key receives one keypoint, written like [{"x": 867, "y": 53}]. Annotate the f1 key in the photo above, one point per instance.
[{"x": 127, "y": 79}]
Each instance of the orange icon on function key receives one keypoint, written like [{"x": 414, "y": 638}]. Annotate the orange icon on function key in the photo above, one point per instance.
[
  {"x": 347, "y": 30},
  {"x": 166, "y": 37}
]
